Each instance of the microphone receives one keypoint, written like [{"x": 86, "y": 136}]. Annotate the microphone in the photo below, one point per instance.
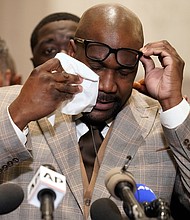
[
  {"x": 153, "y": 207},
  {"x": 121, "y": 185},
  {"x": 144, "y": 193},
  {"x": 104, "y": 208},
  {"x": 46, "y": 190},
  {"x": 11, "y": 196}
]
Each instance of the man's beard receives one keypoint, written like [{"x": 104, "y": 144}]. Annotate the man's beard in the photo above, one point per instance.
[{"x": 111, "y": 113}]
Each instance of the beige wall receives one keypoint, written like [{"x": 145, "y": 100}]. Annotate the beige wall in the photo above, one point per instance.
[{"x": 163, "y": 19}]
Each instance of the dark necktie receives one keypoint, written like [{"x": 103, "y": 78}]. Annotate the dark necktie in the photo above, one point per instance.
[{"x": 89, "y": 145}]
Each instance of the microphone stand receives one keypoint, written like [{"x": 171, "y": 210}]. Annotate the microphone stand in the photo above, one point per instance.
[
  {"x": 46, "y": 198},
  {"x": 130, "y": 205}
]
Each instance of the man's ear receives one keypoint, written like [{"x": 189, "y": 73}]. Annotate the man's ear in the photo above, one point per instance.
[{"x": 72, "y": 48}]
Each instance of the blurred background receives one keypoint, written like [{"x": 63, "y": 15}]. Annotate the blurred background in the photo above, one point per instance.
[{"x": 163, "y": 19}]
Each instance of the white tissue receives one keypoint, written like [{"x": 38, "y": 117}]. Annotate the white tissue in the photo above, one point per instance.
[{"x": 84, "y": 101}]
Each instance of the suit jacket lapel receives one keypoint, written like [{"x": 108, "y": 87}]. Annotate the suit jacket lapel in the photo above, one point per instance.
[
  {"x": 61, "y": 139},
  {"x": 130, "y": 130}
]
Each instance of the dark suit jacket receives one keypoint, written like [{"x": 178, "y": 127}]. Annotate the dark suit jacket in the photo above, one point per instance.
[{"x": 136, "y": 132}]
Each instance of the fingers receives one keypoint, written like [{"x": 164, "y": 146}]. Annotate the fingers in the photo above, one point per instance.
[
  {"x": 68, "y": 88},
  {"x": 63, "y": 82},
  {"x": 52, "y": 65},
  {"x": 141, "y": 87},
  {"x": 166, "y": 54},
  {"x": 44, "y": 90},
  {"x": 57, "y": 84},
  {"x": 147, "y": 63},
  {"x": 163, "y": 79},
  {"x": 56, "y": 71},
  {"x": 53, "y": 75},
  {"x": 156, "y": 48},
  {"x": 139, "y": 83},
  {"x": 67, "y": 84},
  {"x": 65, "y": 77}
]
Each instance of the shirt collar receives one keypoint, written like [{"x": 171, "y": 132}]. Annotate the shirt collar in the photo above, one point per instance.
[{"x": 81, "y": 128}]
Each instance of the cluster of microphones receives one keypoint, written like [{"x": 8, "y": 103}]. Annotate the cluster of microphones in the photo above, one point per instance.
[
  {"x": 139, "y": 201},
  {"x": 47, "y": 189}
]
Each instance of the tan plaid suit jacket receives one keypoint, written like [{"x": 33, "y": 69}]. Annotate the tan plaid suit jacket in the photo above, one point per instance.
[{"x": 136, "y": 132}]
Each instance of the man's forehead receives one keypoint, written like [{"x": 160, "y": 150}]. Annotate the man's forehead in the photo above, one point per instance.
[
  {"x": 63, "y": 24},
  {"x": 114, "y": 30},
  {"x": 115, "y": 38}
]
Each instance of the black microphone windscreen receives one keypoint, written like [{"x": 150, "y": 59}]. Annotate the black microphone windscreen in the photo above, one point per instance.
[
  {"x": 11, "y": 196},
  {"x": 104, "y": 208}
]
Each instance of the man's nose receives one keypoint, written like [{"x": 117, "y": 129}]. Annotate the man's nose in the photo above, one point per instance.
[
  {"x": 107, "y": 81},
  {"x": 63, "y": 46}
]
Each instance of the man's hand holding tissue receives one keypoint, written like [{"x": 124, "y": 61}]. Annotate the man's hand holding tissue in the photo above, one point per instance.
[{"x": 45, "y": 89}]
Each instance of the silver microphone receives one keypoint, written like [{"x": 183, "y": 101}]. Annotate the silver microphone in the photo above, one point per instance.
[{"x": 121, "y": 185}]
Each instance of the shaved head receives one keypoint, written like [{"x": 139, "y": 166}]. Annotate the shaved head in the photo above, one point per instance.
[{"x": 113, "y": 17}]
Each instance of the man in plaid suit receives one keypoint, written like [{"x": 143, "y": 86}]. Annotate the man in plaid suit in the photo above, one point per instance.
[{"x": 153, "y": 133}]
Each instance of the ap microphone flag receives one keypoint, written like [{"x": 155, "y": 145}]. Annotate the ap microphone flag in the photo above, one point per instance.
[{"x": 44, "y": 179}]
